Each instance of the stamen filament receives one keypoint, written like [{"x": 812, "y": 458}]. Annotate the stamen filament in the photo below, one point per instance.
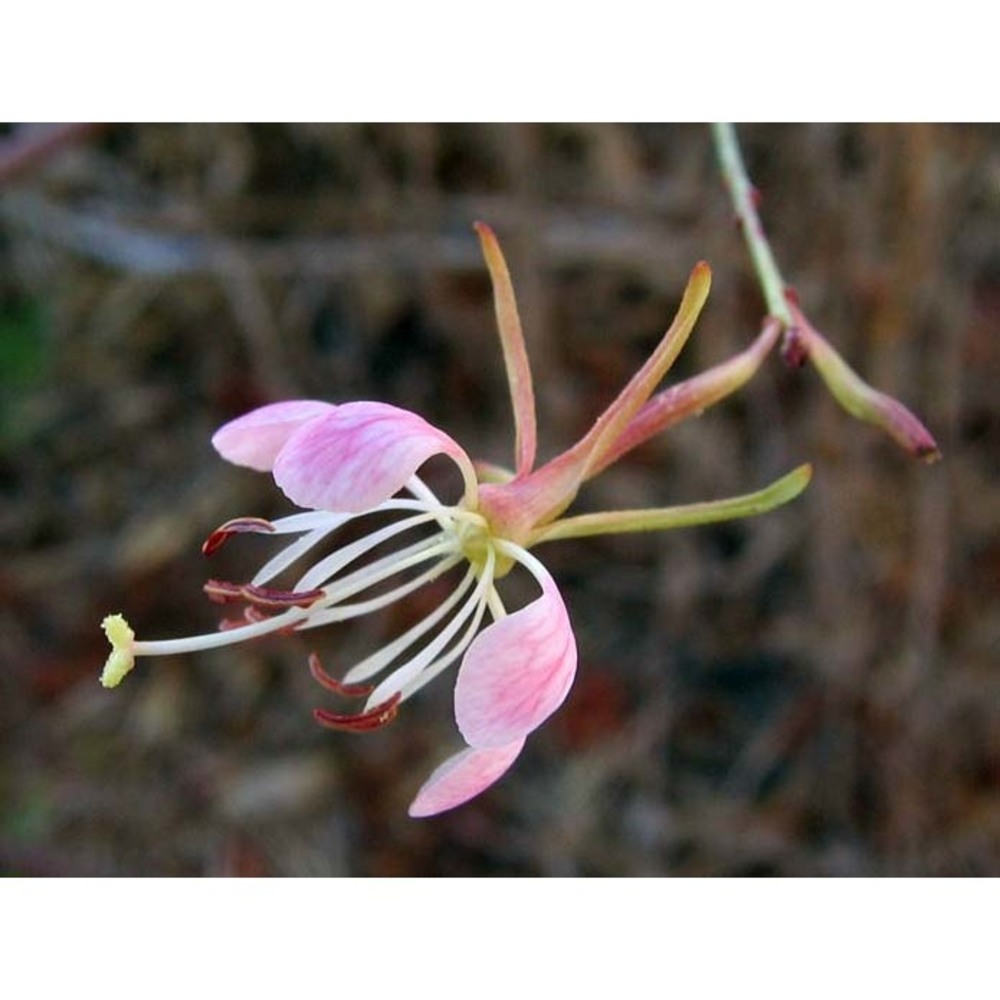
[
  {"x": 422, "y": 491},
  {"x": 377, "y": 661},
  {"x": 290, "y": 554},
  {"x": 442, "y": 663},
  {"x": 343, "y": 612},
  {"x": 475, "y": 603},
  {"x": 495, "y": 603},
  {"x": 383, "y": 568},
  {"x": 306, "y": 521},
  {"x": 328, "y": 568},
  {"x": 525, "y": 558},
  {"x": 294, "y": 617}
]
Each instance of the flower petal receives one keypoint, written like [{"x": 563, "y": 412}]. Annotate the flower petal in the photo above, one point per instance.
[
  {"x": 255, "y": 439},
  {"x": 517, "y": 672},
  {"x": 463, "y": 777},
  {"x": 359, "y": 455}
]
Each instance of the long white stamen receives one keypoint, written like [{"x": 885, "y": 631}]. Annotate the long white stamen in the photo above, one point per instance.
[
  {"x": 371, "y": 665},
  {"x": 352, "y": 584},
  {"x": 526, "y": 559},
  {"x": 444, "y": 546},
  {"x": 472, "y": 607},
  {"x": 320, "y": 524},
  {"x": 290, "y": 554},
  {"x": 382, "y": 569},
  {"x": 307, "y": 521},
  {"x": 441, "y": 664},
  {"x": 422, "y": 491},
  {"x": 343, "y": 612},
  {"x": 426, "y": 495},
  {"x": 327, "y": 568},
  {"x": 493, "y": 601},
  {"x": 496, "y": 605},
  {"x": 361, "y": 580},
  {"x": 310, "y": 519}
]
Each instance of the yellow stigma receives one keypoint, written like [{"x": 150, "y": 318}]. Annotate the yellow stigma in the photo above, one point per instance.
[{"x": 121, "y": 659}]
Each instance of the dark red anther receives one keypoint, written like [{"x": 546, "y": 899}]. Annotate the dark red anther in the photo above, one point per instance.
[
  {"x": 332, "y": 684},
  {"x": 268, "y": 598},
  {"x": 237, "y": 526},
  {"x": 271, "y": 597},
  {"x": 375, "y": 718},
  {"x": 756, "y": 198},
  {"x": 223, "y": 592}
]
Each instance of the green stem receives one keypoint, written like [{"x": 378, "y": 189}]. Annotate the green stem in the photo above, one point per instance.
[
  {"x": 660, "y": 519},
  {"x": 744, "y": 198}
]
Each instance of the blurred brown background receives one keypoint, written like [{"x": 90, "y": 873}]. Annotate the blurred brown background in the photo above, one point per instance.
[{"x": 812, "y": 692}]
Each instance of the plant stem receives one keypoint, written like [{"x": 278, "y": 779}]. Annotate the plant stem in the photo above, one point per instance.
[{"x": 744, "y": 197}]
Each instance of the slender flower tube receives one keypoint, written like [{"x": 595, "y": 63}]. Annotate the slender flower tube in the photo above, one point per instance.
[{"x": 358, "y": 463}]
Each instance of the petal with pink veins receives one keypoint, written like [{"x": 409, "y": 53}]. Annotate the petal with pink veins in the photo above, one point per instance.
[
  {"x": 517, "y": 672},
  {"x": 359, "y": 455},
  {"x": 463, "y": 777},
  {"x": 255, "y": 439}
]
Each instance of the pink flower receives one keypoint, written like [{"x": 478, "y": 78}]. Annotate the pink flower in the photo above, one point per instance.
[{"x": 348, "y": 462}]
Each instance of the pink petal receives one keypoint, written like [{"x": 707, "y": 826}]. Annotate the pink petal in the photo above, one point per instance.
[
  {"x": 359, "y": 455},
  {"x": 517, "y": 672},
  {"x": 256, "y": 438},
  {"x": 463, "y": 777}
]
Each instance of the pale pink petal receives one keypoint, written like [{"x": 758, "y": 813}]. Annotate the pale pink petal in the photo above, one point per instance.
[
  {"x": 359, "y": 455},
  {"x": 463, "y": 777},
  {"x": 517, "y": 672},
  {"x": 256, "y": 438}
]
